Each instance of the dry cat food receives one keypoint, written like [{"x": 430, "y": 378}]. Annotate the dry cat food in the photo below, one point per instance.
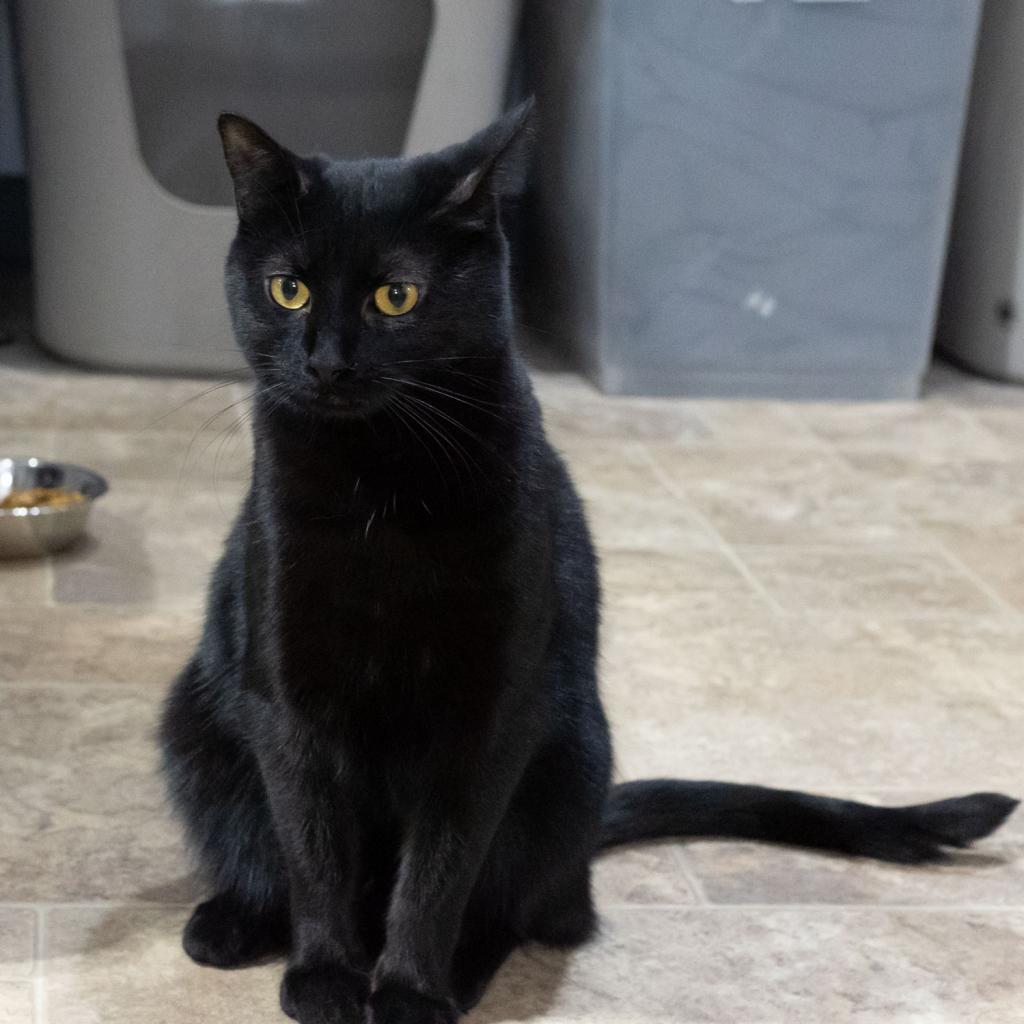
[{"x": 43, "y": 497}]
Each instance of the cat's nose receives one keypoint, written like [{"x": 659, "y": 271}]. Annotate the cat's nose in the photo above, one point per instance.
[{"x": 328, "y": 369}]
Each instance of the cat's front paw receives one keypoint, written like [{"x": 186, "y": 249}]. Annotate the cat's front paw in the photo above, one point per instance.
[
  {"x": 396, "y": 1004},
  {"x": 324, "y": 994}
]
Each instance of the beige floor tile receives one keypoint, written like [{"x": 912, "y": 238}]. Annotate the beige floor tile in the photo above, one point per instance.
[
  {"x": 16, "y": 1002},
  {"x": 843, "y": 704},
  {"x": 642, "y": 875},
  {"x": 864, "y": 580},
  {"x": 111, "y": 564},
  {"x": 947, "y": 657},
  {"x": 714, "y": 966},
  {"x": 875, "y": 665},
  {"x": 985, "y": 655},
  {"x": 676, "y": 644},
  {"x": 784, "y": 495},
  {"x": 1007, "y": 424},
  {"x": 152, "y": 547},
  {"x": 908, "y": 433},
  {"x": 750, "y": 422},
  {"x": 647, "y": 579},
  {"x": 989, "y": 553},
  {"x": 82, "y": 809},
  {"x": 773, "y": 966},
  {"x": 752, "y": 462},
  {"x": 824, "y": 506},
  {"x": 835, "y": 656},
  {"x": 23, "y": 443},
  {"x": 24, "y": 581},
  {"x": 991, "y": 873},
  {"x": 818, "y": 744},
  {"x": 99, "y": 644},
  {"x": 571, "y": 416},
  {"x": 199, "y": 457},
  {"x": 974, "y": 495},
  {"x": 573, "y": 413},
  {"x": 635, "y": 522},
  {"x": 125, "y": 965},
  {"x": 27, "y": 399},
  {"x": 133, "y": 403},
  {"x": 17, "y": 941},
  {"x": 621, "y": 467}
]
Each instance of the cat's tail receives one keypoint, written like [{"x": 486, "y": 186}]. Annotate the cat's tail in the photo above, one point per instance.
[{"x": 664, "y": 808}]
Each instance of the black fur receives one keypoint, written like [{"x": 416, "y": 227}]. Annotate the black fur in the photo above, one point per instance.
[{"x": 388, "y": 749}]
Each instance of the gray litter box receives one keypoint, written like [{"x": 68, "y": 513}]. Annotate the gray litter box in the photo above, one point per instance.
[
  {"x": 130, "y": 201},
  {"x": 746, "y": 198}
]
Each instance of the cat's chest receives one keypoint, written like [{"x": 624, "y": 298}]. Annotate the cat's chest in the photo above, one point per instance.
[
  {"x": 384, "y": 606},
  {"x": 356, "y": 566}
]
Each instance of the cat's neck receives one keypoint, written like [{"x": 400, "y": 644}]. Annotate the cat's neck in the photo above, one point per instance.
[{"x": 444, "y": 454}]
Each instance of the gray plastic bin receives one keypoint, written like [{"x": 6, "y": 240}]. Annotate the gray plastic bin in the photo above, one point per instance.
[
  {"x": 130, "y": 201},
  {"x": 980, "y": 318},
  {"x": 746, "y": 198}
]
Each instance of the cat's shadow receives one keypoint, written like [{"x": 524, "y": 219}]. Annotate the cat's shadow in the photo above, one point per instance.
[
  {"x": 106, "y": 565},
  {"x": 525, "y": 989}
]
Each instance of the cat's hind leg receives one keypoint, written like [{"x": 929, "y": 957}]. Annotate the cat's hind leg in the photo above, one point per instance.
[
  {"x": 564, "y": 918},
  {"x": 224, "y": 932},
  {"x": 567, "y": 917},
  {"x": 491, "y": 931},
  {"x": 216, "y": 787},
  {"x": 535, "y": 884}
]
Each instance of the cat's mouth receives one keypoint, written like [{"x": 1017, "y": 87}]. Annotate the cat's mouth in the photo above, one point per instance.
[{"x": 361, "y": 400}]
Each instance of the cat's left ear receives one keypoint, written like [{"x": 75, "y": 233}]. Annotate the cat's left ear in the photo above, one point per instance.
[
  {"x": 489, "y": 167},
  {"x": 263, "y": 172}
]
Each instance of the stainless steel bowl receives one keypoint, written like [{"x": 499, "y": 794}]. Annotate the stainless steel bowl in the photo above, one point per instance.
[{"x": 40, "y": 529}]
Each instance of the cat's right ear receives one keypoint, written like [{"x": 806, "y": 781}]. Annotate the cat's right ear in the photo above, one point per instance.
[
  {"x": 264, "y": 173},
  {"x": 491, "y": 166}
]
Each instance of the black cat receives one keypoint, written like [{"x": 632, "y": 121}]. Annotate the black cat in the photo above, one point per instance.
[{"x": 389, "y": 750}]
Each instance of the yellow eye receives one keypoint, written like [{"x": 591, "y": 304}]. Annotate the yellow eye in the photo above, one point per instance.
[
  {"x": 395, "y": 298},
  {"x": 289, "y": 292}
]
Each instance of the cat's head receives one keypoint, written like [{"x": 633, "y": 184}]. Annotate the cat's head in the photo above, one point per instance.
[{"x": 349, "y": 279}]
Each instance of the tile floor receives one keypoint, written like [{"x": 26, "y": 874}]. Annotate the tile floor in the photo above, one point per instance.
[{"x": 824, "y": 596}]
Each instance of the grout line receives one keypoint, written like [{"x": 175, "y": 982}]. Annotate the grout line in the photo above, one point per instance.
[
  {"x": 640, "y": 449},
  {"x": 860, "y": 614},
  {"x": 951, "y": 614},
  {"x": 723, "y": 546},
  {"x": 39, "y": 1007},
  {"x": 50, "y": 574},
  {"x": 857, "y": 615},
  {"x": 841, "y": 789},
  {"x": 687, "y": 871},
  {"x": 919, "y": 794},
  {"x": 930, "y": 541},
  {"x": 826, "y": 448},
  {"x": 39, "y": 1001},
  {"x": 928, "y": 908},
  {"x": 887, "y": 547},
  {"x": 982, "y": 584},
  {"x": 968, "y": 416},
  {"x": 134, "y": 686},
  {"x": 44, "y": 908},
  {"x": 41, "y": 950}
]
